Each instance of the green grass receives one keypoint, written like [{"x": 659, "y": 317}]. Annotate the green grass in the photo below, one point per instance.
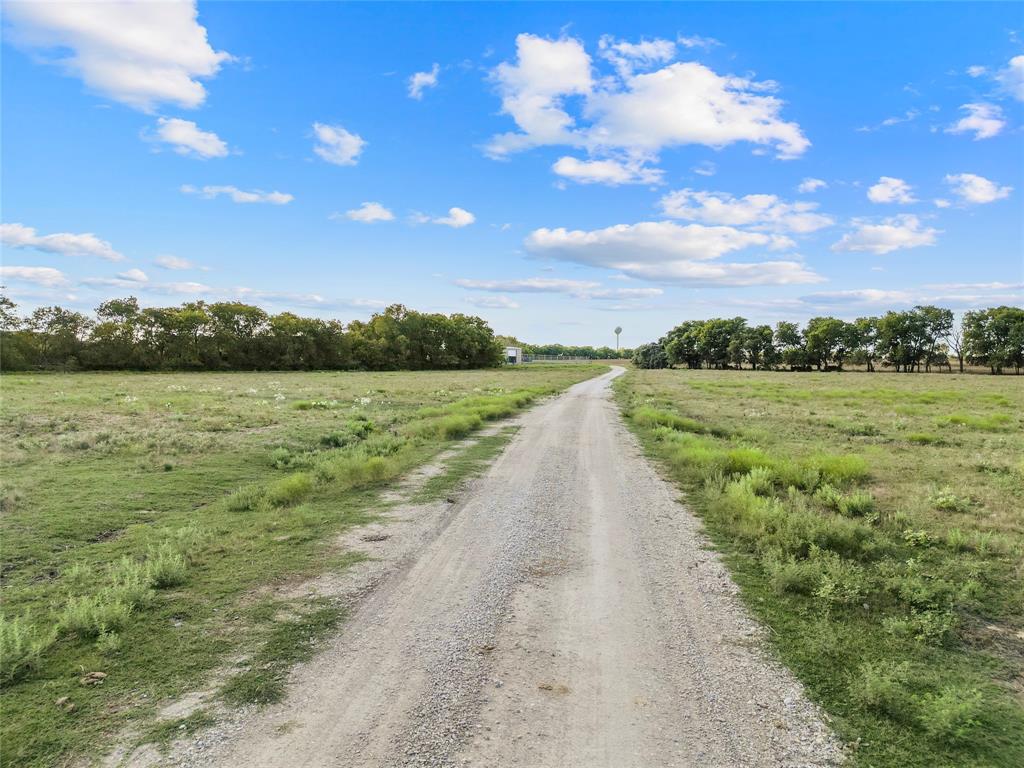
[
  {"x": 880, "y": 537},
  {"x": 143, "y": 513}
]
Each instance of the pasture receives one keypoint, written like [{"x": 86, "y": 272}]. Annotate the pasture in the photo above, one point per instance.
[
  {"x": 143, "y": 514},
  {"x": 875, "y": 524}
]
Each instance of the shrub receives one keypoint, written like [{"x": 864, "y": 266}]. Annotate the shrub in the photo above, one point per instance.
[
  {"x": 882, "y": 687},
  {"x": 951, "y": 714},
  {"x": 92, "y": 615},
  {"x": 646, "y": 416},
  {"x": 793, "y": 576},
  {"x": 927, "y": 627},
  {"x": 759, "y": 480},
  {"x": 993, "y": 423},
  {"x": 280, "y": 458},
  {"x": 857, "y": 504},
  {"x": 246, "y": 498},
  {"x": 290, "y": 490},
  {"x": 457, "y": 426},
  {"x": 947, "y": 501},
  {"x": 840, "y": 469},
  {"x": 741, "y": 460},
  {"x": 21, "y": 646},
  {"x": 166, "y": 566},
  {"x": 130, "y": 583}
]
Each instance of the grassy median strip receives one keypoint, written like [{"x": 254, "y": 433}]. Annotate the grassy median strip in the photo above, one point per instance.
[
  {"x": 875, "y": 523},
  {"x": 143, "y": 513}
]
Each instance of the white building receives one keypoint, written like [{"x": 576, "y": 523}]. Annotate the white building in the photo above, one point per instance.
[{"x": 513, "y": 355}]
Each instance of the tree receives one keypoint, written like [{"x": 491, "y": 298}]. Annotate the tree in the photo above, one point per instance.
[
  {"x": 955, "y": 340},
  {"x": 790, "y": 345},
  {"x": 650, "y": 356}
]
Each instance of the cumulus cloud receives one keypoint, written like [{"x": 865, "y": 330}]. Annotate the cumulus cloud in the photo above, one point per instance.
[
  {"x": 64, "y": 243},
  {"x": 173, "y": 262},
  {"x": 666, "y": 251},
  {"x": 892, "y": 234},
  {"x": 493, "y": 302},
  {"x": 983, "y": 120},
  {"x": 139, "y": 54},
  {"x": 1011, "y": 77},
  {"x": 420, "y": 81},
  {"x": 610, "y": 172},
  {"x": 367, "y": 213},
  {"x": 337, "y": 145},
  {"x": 187, "y": 139},
  {"x": 809, "y": 185},
  {"x": 238, "y": 195},
  {"x": 705, "y": 168},
  {"x": 456, "y": 218},
  {"x": 891, "y": 190},
  {"x": 765, "y": 212},
  {"x": 972, "y": 188},
  {"x": 637, "y": 114},
  {"x": 627, "y": 57},
  {"x": 134, "y": 276},
  {"x": 45, "y": 276}
]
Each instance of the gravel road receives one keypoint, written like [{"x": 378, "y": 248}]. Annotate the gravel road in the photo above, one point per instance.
[{"x": 565, "y": 612}]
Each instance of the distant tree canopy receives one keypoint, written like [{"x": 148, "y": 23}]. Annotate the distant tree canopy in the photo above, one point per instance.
[
  {"x": 236, "y": 336},
  {"x": 561, "y": 350},
  {"x": 924, "y": 336}
]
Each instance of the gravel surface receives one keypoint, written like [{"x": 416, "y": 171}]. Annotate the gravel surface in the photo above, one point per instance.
[{"x": 565, "y": 612}]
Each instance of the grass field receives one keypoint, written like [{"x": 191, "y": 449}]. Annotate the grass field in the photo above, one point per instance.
[
  {"x": 875, "y": 522},
  {"x": 142, "y": 513}
]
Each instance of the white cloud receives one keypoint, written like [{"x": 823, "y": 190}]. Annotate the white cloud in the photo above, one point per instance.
[
  {"x": 706, "y": 168},
  {"x": 173, "y": 262},
  {"x": 367, "y": 213},
  {"x": 696, "y": 41},
  {"x": 1011, "y": 77},
  {"x": 337, "y": 145},
  {"x": 983, "y": 120},
  {"x": 239, "y": 195},
  {"x": 809, "y": 185},
  {"x": 187, "y": 139},
  {"x": 530, "y": 285},
  {"x": 45, "y": 276},
  {"x": 65, "y": 243},
  {"x": 858, "y": 296},
  {"x": 627, "y": 57},
  {"x": 666, "y": 251},
  {"x": 134, "y": 275},
  {"x": 493, "y": 302},
  {"x": 756, "y": 211},
  {"x": 139, "y": 54},
  {"x": 610, "y": 172},
  {"x": 976, "y": 70},
  {"x": 972, "y": 188},
  {"x": 893, "y": 234},
  {"x": 457, "y": 218},
  {"x": 891, "y": 190},
  {"x": 533, "y": 89},
  {"x": 582, "y": 289},
  {"x": 638, "y": 114},
  {"x": 129, "y": 281},
  {"x": 423, "y": 80},
  {"x": 941, "y": 202}
]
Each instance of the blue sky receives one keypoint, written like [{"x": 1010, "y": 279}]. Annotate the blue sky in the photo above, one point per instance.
[{"x": 559, "y": 169}]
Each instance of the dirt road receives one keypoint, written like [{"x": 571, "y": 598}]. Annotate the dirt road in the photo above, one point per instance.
[{"x": 566, "y": 613}]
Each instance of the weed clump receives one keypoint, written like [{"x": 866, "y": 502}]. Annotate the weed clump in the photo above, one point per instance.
[{"x": 21, "y": 647}]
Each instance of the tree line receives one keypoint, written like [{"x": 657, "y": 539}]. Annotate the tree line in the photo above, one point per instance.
[
  {"x": 563, "y": 350},
  {"x": 923, "y": 337},
  {"x": 234, "y": 336}
]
